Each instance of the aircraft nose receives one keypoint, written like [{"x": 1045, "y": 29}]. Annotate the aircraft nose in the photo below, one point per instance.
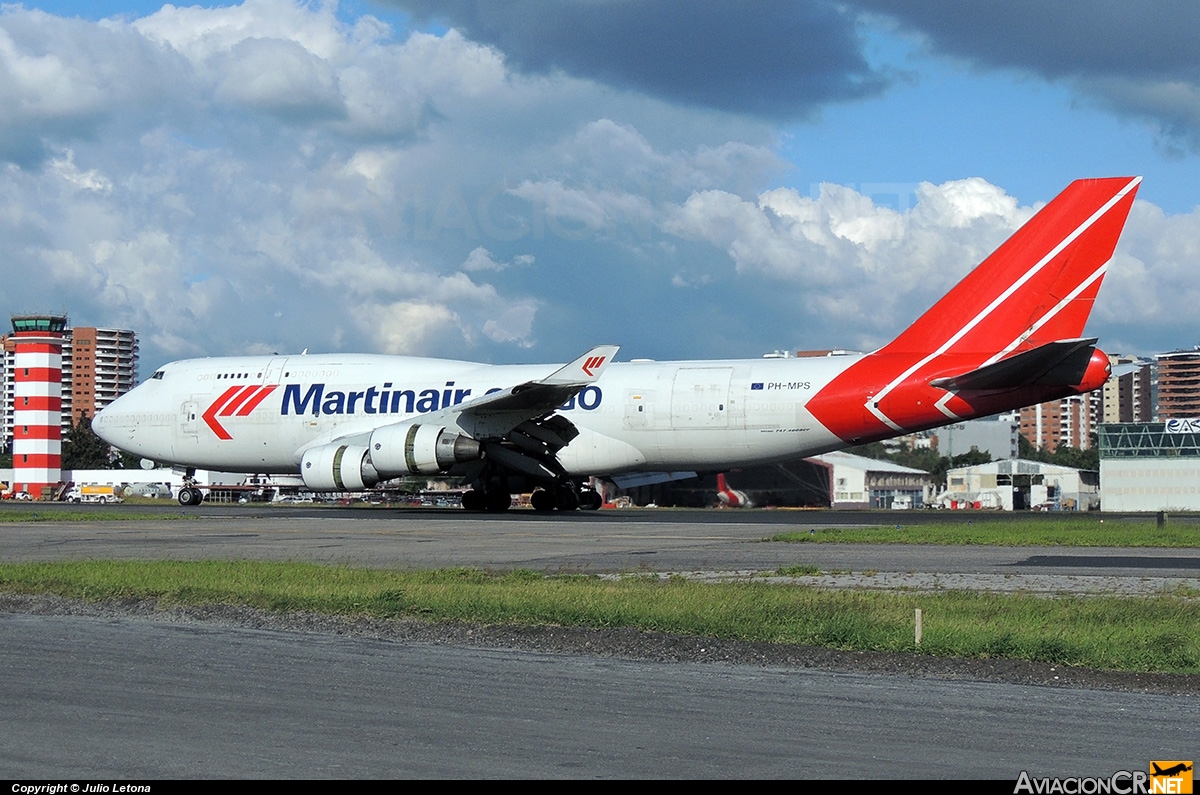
[{"x": 118, "y": 422}]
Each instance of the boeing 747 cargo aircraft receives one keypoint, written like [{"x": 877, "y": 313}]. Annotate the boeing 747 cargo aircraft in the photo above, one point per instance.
[{"x": 1010, "y": 334}]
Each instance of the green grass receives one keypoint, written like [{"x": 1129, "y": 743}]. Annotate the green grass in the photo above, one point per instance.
[
  {"x": 1118, "y": 633},
  {"x": 1087, "y": 531},
  {"x": 798, "y": 570}
]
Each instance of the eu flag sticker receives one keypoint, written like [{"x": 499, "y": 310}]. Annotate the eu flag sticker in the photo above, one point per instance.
[{"x": 756, "y": 385}]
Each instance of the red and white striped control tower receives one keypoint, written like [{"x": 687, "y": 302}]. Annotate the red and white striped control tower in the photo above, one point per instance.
[{"x": 37, "y": 413}]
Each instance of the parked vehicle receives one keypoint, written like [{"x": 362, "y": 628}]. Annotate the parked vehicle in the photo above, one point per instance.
[{"x": 94, "y": 493}]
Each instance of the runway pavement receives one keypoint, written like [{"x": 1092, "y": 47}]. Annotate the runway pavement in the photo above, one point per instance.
[{"x": 696, "y": 543}]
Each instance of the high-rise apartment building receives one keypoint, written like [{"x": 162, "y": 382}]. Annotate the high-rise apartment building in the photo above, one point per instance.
[
  {"x": 1068, "y": 421},
  {"x": 1178, "y": 384},
  {"x": 1129, "y": 395},
  {"x": 99, "y": 365}
]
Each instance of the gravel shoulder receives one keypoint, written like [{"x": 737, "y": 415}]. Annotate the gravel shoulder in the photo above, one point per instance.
[{"x": 618, "y": 643}]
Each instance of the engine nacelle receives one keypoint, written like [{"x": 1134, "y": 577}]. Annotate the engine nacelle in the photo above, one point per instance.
[
  {"x": 338, "y": 467},
  {"x": 419, "y": 449}
]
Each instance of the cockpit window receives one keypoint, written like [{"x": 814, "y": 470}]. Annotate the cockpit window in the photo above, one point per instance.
[{"x": 157, "y": 376}]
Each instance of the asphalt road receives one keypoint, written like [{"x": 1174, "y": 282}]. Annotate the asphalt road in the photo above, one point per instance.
[{"x": 129, "y": 699}]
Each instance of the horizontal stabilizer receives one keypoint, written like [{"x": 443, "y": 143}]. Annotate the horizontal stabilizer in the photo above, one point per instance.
[{"x": 1060, "y": 363}]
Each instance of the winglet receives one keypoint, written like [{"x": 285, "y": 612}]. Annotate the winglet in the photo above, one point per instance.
[{"x": 584, "y": 370}]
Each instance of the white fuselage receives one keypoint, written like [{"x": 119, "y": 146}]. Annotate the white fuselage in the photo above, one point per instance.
[{"x": 259, "y": 414}]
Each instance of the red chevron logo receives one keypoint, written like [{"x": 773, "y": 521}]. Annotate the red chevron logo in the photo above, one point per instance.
[
  {"x": 592, "y": 363},
  {"x": 237, "y": 401}
]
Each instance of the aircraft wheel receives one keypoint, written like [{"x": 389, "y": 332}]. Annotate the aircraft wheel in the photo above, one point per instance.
[
  {"x": 474, "y": 500},
  {"x": 542, "y": 500},
  {"x": 590, "y": 500},
  {"x": 498, "y": 501},
  {"x": 566, "y": 499},
  {"x": 188, "y": 496}
]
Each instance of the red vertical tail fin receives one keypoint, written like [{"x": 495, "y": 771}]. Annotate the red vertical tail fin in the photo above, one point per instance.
[
  {"x": 1036, "y": 289},
  {"x": 1039, "y": 285}
]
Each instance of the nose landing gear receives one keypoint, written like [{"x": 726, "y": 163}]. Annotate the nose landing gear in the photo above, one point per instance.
[{"x": 190, "y": 496}]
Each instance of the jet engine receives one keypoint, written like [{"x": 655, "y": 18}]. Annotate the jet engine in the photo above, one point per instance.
[
  {"x": 419, "y": 449},
  {"x": 338, "y": 467}
]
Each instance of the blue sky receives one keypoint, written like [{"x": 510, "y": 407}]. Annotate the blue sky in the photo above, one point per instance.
[{"x": 518, "y": 182}]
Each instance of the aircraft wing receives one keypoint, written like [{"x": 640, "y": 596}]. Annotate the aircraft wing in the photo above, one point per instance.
[{"x": 534, "y": 398}]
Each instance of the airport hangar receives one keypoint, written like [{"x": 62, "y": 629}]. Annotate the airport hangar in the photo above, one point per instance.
[{"x": 1150, "y": 466}]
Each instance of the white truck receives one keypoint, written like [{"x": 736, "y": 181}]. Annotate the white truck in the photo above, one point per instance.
[{"x": 94, "y": 493}]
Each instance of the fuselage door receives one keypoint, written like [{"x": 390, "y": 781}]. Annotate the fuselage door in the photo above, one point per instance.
[
  {"x": 189, "y": 419},
  {"x": 639, "y": 409},
  {"x": 274, "y": 372},
  {"x": 700, "y": 397}
]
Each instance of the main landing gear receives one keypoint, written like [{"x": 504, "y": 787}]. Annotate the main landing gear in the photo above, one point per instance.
[
  {"x": 565, "y": 498},
  {"x": 496, "y": 498}
]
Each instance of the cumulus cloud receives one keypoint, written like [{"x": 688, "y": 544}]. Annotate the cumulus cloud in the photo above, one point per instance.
[
  {"x": 480, "y": 259},
  {"x": 253, "y": 205},
  {"x": 280, "y": 77},
  {"x": 855, "y": 263},
  {"x": 404, "y": 326},
  {"x": 869, "y": 270},
  {"x": 1149, "y": 297},
  {"x": 66, "y": 78},
  {"x": 514, "y": 324}
]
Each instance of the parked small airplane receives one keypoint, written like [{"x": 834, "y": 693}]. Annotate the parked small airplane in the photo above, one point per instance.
[
  {"x": 731, "y": 498},
  {"x": 1008, "y": 335}
]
